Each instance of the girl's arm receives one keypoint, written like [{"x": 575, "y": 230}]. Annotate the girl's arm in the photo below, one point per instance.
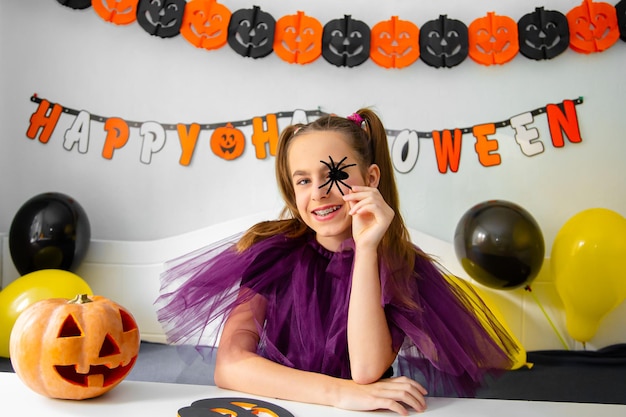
[{"x": 239, "y": 368}]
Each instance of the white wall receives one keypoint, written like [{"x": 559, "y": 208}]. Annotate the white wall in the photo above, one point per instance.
[{"x": 76, "y": 59}]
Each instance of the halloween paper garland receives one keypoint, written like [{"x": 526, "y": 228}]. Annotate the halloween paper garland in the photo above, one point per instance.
[
  {"x": 443, "y": 42},
  {"x": 228, "y": 139}
]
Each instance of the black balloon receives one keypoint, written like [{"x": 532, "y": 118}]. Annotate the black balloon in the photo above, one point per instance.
[
  {"x": 49, "y": 231},
  {"x": 499, "y": 244}
]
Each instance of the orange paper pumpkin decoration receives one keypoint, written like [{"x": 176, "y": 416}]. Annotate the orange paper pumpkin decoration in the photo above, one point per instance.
[
  {"x": 394, "y": 43},
  {"x": 74, "y": 349},
  {"x": 298, "y": 38},
  {"x": 205, "y": 24},
  {"x": 120, "y": 12},
  {"x": 493, "y": 39},
  {"x": 228, "y": 142},
  {"x": 593, "y": 27}
]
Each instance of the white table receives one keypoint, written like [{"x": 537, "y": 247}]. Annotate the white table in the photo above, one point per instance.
[{"x": 138, "y": 399}]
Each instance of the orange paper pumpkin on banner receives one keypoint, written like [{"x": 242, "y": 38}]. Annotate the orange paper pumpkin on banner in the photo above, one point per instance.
[
  {"x": 593, "y": 27},
  {"x": 298, "y": 38},
  {"x": 74, "y": 349},
  {"x": 120, "y": 12},
  {"x": 493, "y": 39},
  {"x": 395, "y": 43},
  {"x": 205, "y": 24},
  {"x": 228, "y": 142}
]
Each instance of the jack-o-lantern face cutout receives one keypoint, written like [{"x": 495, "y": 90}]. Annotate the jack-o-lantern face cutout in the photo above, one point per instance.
[
  {"x": 76, "y": 4},
  {"x": 620, "y": 9},
  {"x": 493, "y": 39},
  {"x": 205, "y": 24},
  {"x": 233, "y": 407},
  {"x": 346, "y": 42},
  {"x": 251, "y": 32},
  {"x": 228, "y": 142},
  {"x": 74, "y": 350},
  {"x": 161, "y": 18},
  {"x": 443, "y": 42},
  {"x": 592, "y": 27},
  {"x": 543, "y": 34},
  {"x": 395, "y": 43},
  {"x": 120, "y": 12},
  {"x": 298, "y": 38}
]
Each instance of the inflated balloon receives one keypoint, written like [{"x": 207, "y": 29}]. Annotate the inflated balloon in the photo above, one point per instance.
[
  {"x": 499, "y": 244},
  {"x": 49, "y": 231},
  {"x": 33, "y": 287},
  {"x": 587, "y": 263}
]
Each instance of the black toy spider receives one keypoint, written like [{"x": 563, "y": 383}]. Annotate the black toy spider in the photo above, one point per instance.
[{"x": 336, "y": 174}]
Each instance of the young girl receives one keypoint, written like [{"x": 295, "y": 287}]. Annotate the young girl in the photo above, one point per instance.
[{"x": 317, "y": 306}]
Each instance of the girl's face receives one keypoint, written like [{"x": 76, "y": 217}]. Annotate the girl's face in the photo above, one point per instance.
[{"x": 322, "y": 210}]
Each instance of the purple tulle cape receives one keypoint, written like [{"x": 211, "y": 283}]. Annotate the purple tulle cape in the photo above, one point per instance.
[{"x": 307, "y": 287}]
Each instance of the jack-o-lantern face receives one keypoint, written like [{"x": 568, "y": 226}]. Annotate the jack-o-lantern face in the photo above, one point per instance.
[
  {"x": 593, "y": 27},
  {"x": 205, "y": 24},
  {"x": 346, "y": 42},
  {"x": 620, "y": 9},
  {"x": 543, "y": 34},
  {"x": 251, "y": 32},
  {"x": 395, "y": 43},
  {"x": 298, "y": 38},
  {"x": 161, "y": 18},
  {"x": 443, "y": 42},
  {"x": 120, "y": 12},
  {"x": 242, "y": 407},
  {"x": 74, "y": 350},
  {"x": 493, "y": 39},
  {"x": 76, "y": 4},
  {"x": 228, "y": 142}
]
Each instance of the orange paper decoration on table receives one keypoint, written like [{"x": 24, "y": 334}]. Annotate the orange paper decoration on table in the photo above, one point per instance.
[
  {"x": 298, "y": 38},
  {"x": 593, "y": 27},
  {"x": 205, "y": 24},
  {"x": 493, "y": 39},
  {"x": 74, "y": 349},
  {"x": 120, "y": 12},
  {"x": 228, "y": 142},
  {"x": 395, "y": 43}
]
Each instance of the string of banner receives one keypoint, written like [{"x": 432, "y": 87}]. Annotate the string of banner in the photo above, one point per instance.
[
  {"x": 394, "y": 43},
  {"x": 228, "y": 140}
]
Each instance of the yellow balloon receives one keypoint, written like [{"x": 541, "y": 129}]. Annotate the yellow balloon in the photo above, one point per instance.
[
  {"x": 475, "y": 293},
  {"x": 33, "y": 287},
  {"x": 587, "y": 263}
]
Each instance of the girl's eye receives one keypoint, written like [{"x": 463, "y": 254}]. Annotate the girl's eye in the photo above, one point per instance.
[{"x": 303, "y": 181}]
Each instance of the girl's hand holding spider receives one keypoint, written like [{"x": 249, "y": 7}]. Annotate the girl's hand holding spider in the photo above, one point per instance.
[{"x": 371, "y": 215}]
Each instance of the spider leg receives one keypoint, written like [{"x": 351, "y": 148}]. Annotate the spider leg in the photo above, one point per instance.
[{"x": 330, "y": 180}]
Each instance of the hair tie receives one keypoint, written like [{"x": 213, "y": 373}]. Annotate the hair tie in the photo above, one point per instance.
[{"x": 359, "y": 121}]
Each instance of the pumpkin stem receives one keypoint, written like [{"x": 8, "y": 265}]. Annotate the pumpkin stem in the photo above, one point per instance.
[{"x": 80, "y": 299}]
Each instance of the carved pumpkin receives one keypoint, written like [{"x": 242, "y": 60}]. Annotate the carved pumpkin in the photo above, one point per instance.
[
  {"x": 543, "y": 34},
  {"x": 493, "y": 39},
  {"x": 76, "y": 4},
  {"x": 443, "y": 42},
  {"x": 298, "y": 38},
  {"x": 161, "y": 18},
  {"x": 120, "y": 12},
  {"x": 620, "y": 9},
  {"x": 74, "y": 349},
  {"x": 592, "y": 27},
  {"x": 395, "y": 43},
  {"x": 228, "y": 142},
  {"x": 205, "y": 24},
  {"x": 346, "y": 42},
  {"x": 251, "y": 32}
]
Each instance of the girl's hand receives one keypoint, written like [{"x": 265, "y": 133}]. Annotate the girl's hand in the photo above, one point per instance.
[
  {"x": 389, "y": 394},
  {"x": 371, "y": 215}
]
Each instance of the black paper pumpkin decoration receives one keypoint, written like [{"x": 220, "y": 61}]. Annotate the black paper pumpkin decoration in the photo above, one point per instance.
[
  {"x": 443, "y": 42},
  {"x": 251, "y": 32},
  {"x": 239, "y": 407},
  {"x": 543, "y": 34},
  {"x": 593, "y": 27},
  {"x": 161, "y": 18},
  {"x": 346, "y": 42},
  {"x": 493, "y": 39},
  {"x": 76, "y": 4},
  {"x": 620, "y": 8}
]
